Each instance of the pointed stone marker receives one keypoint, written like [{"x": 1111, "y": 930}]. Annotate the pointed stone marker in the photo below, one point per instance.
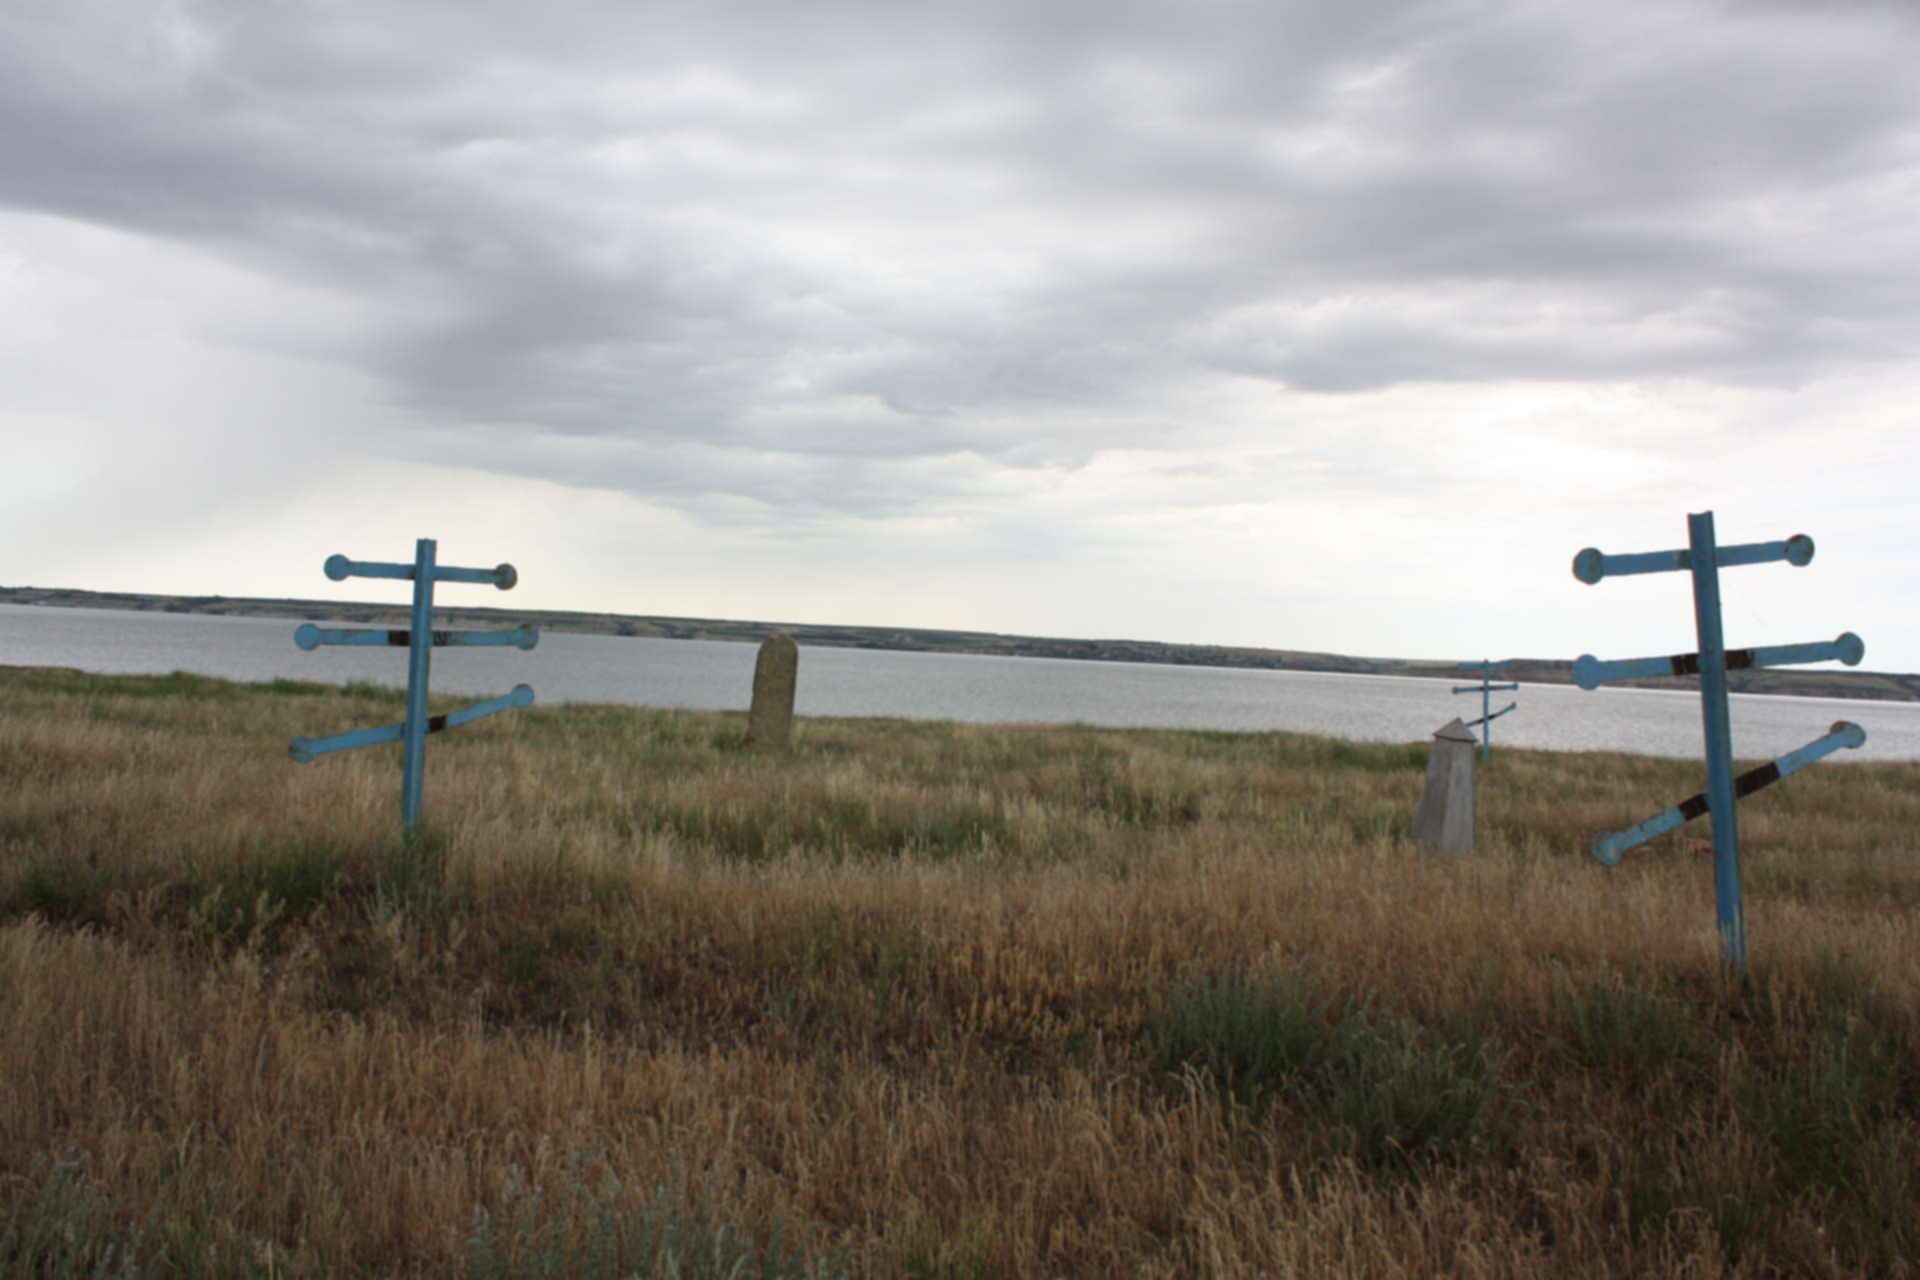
[
  {"x": 775, "y": 672},
  {"x": 1445, "y": 816}
]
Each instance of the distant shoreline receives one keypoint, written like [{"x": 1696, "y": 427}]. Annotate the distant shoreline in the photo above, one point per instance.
[{"x": 1810, "y": 684}]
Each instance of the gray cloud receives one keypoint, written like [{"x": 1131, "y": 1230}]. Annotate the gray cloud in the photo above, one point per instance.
[{"x": 839, "y": 257}]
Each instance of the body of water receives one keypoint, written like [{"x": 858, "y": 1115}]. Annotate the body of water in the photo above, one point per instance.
[{"x": 718, "y": 675}]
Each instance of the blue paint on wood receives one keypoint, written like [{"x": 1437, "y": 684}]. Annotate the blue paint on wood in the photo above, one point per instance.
[
  {"x": 1607, "y": 849},
  {"x": 1486, "y": 689},
  {"x": 1717, "y": 730},
  {"x": 501, "y": 576},
  {"x": 310, "y": 637},
  {"x": 1591, "y": 564},
  {"x": 419, "y": 640},
  {"x": 306, "y": 749},
  {"x": 1703, "y": 559},
  {"x": 339, "y": 568},
  {"x": 413, "y": 758},
  {"x": 1590, "y": 672}
]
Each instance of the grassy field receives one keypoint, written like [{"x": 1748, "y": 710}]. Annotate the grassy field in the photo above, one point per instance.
[{"x": 922, "y": 1000}]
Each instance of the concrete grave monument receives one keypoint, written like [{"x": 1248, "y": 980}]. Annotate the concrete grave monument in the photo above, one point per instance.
[
  {"x": 1445, "y": 816},
  {"x": 775, "y": 673}
]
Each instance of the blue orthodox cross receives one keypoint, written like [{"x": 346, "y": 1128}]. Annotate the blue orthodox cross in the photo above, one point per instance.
[
  {"x": 1486, "y": 689},
  {"x": 420, "y": 640},
  {"x": 1703, "y": 558}
]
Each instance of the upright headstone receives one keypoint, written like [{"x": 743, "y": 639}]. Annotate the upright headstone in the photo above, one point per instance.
[
  {"x": 1445, "y": 816},
  {"x": 770, "y": 719}
]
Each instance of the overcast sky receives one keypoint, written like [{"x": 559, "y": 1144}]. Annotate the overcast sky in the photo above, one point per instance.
[{"x": 1335, "y": 326}]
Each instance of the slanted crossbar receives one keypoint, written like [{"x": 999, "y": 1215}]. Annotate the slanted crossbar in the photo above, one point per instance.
[
  {"x": 1607, "y": 849},
  {"x": 305, "y": 749}
]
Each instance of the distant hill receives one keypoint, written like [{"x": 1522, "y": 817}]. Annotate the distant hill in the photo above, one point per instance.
[{"x": 1811, "y": 684}]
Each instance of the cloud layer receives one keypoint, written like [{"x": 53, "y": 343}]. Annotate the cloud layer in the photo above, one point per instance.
[{"x": 1020, "y": 267}]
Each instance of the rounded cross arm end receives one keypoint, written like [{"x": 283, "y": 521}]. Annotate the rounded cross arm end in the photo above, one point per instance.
[
  {"x": 1852, "y": 735},
  {"x": 522, "y": 695},
  {"x": 1799, "y": 550},
  {"x": 307, "y": 636},
  {"x": 300, "y": 750},
  {"x": 337, "y": 567},
  {"x": 504, "y": 576},
  {"x": 1589, "y": 566},
  {"x": 1586, "y": 671},
  {"x": 1852, "y": 648}
]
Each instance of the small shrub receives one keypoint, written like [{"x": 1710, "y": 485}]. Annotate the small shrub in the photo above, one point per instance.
[
  {"x": 64, "y": 890},
  {"x": 1255, "y": 1037},
  {"x": 1382, "y": 1090},
  {"x": 371, "y": 690},
  {"x": 591, "y": 1234},
  {"x": 1399, "y": 1096},
  {"x": 242, "y": 898},
  {"x": 412, "y": 879},
  {"x": 1820, "y": 1114},
  {"x": 1623, "y": 1030},
  {"x": 66, "y": 1226},
  {"x": 1379, "y": 757},
  {"x": 298, "y": 688}
]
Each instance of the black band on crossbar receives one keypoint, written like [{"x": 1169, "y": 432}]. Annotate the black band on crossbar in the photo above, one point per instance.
[
  {"x": 1744, "y": 785},
  {"x": 1688, "y": 664}
]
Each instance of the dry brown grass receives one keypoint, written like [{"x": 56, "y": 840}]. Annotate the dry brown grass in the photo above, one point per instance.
[{"x": 904, "y": 997}]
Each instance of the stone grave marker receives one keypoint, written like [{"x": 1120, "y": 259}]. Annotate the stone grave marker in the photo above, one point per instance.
[
  {"x": 775, "y": 672},
  {"x": 1445, "y": 816}
]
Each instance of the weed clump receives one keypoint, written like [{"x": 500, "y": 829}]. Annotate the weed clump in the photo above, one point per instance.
[
  {"x": 1380, "y": 1089},
  {"x": 592, "y": 1231}
]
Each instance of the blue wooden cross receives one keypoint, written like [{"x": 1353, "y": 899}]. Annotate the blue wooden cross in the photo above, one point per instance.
[
  {"x": 1486, "y": 689},
  {"x": 1703, "y": 558},
  {"x": 419, "y": 640}
]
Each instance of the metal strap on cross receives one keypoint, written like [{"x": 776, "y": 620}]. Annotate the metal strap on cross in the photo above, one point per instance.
[
  {"x": 1486, "y": 689},
  {"x": 419, "y": 640},
  {"x": 1703, "y": 558}
]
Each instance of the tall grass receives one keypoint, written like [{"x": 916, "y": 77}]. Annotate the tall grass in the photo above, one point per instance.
[{"x": 921, "y": 1000}]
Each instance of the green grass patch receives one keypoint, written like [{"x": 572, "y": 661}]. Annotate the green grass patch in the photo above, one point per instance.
[
  {"x": 1378, "y": 757},
  {"x": 241, "y": 898},
  {"x": 590, "y": 1230},
  {"x": 1619, "y": 1029},
  {"x": 1380, "y": 1089}
]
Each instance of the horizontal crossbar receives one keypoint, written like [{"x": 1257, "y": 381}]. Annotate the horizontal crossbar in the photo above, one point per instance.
[
  {"x": 1590, "y": 672},
  {"x": 1591, "y": 564},
  {"x": 305, "y": 749},
  {"x": 308, "y": 636},
  {"x": 1607, "y": 849},
  {"x": 339, "y": 568},
  {"x": 1483, "y": 688}
]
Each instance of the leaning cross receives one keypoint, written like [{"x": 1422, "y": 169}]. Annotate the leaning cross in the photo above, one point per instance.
[
  {"x": 1703, "y": 558},
  {"x": 1486, "y": 688}
]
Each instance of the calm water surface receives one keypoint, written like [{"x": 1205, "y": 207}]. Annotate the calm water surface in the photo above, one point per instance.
[{"x": 718, "y": 675}]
